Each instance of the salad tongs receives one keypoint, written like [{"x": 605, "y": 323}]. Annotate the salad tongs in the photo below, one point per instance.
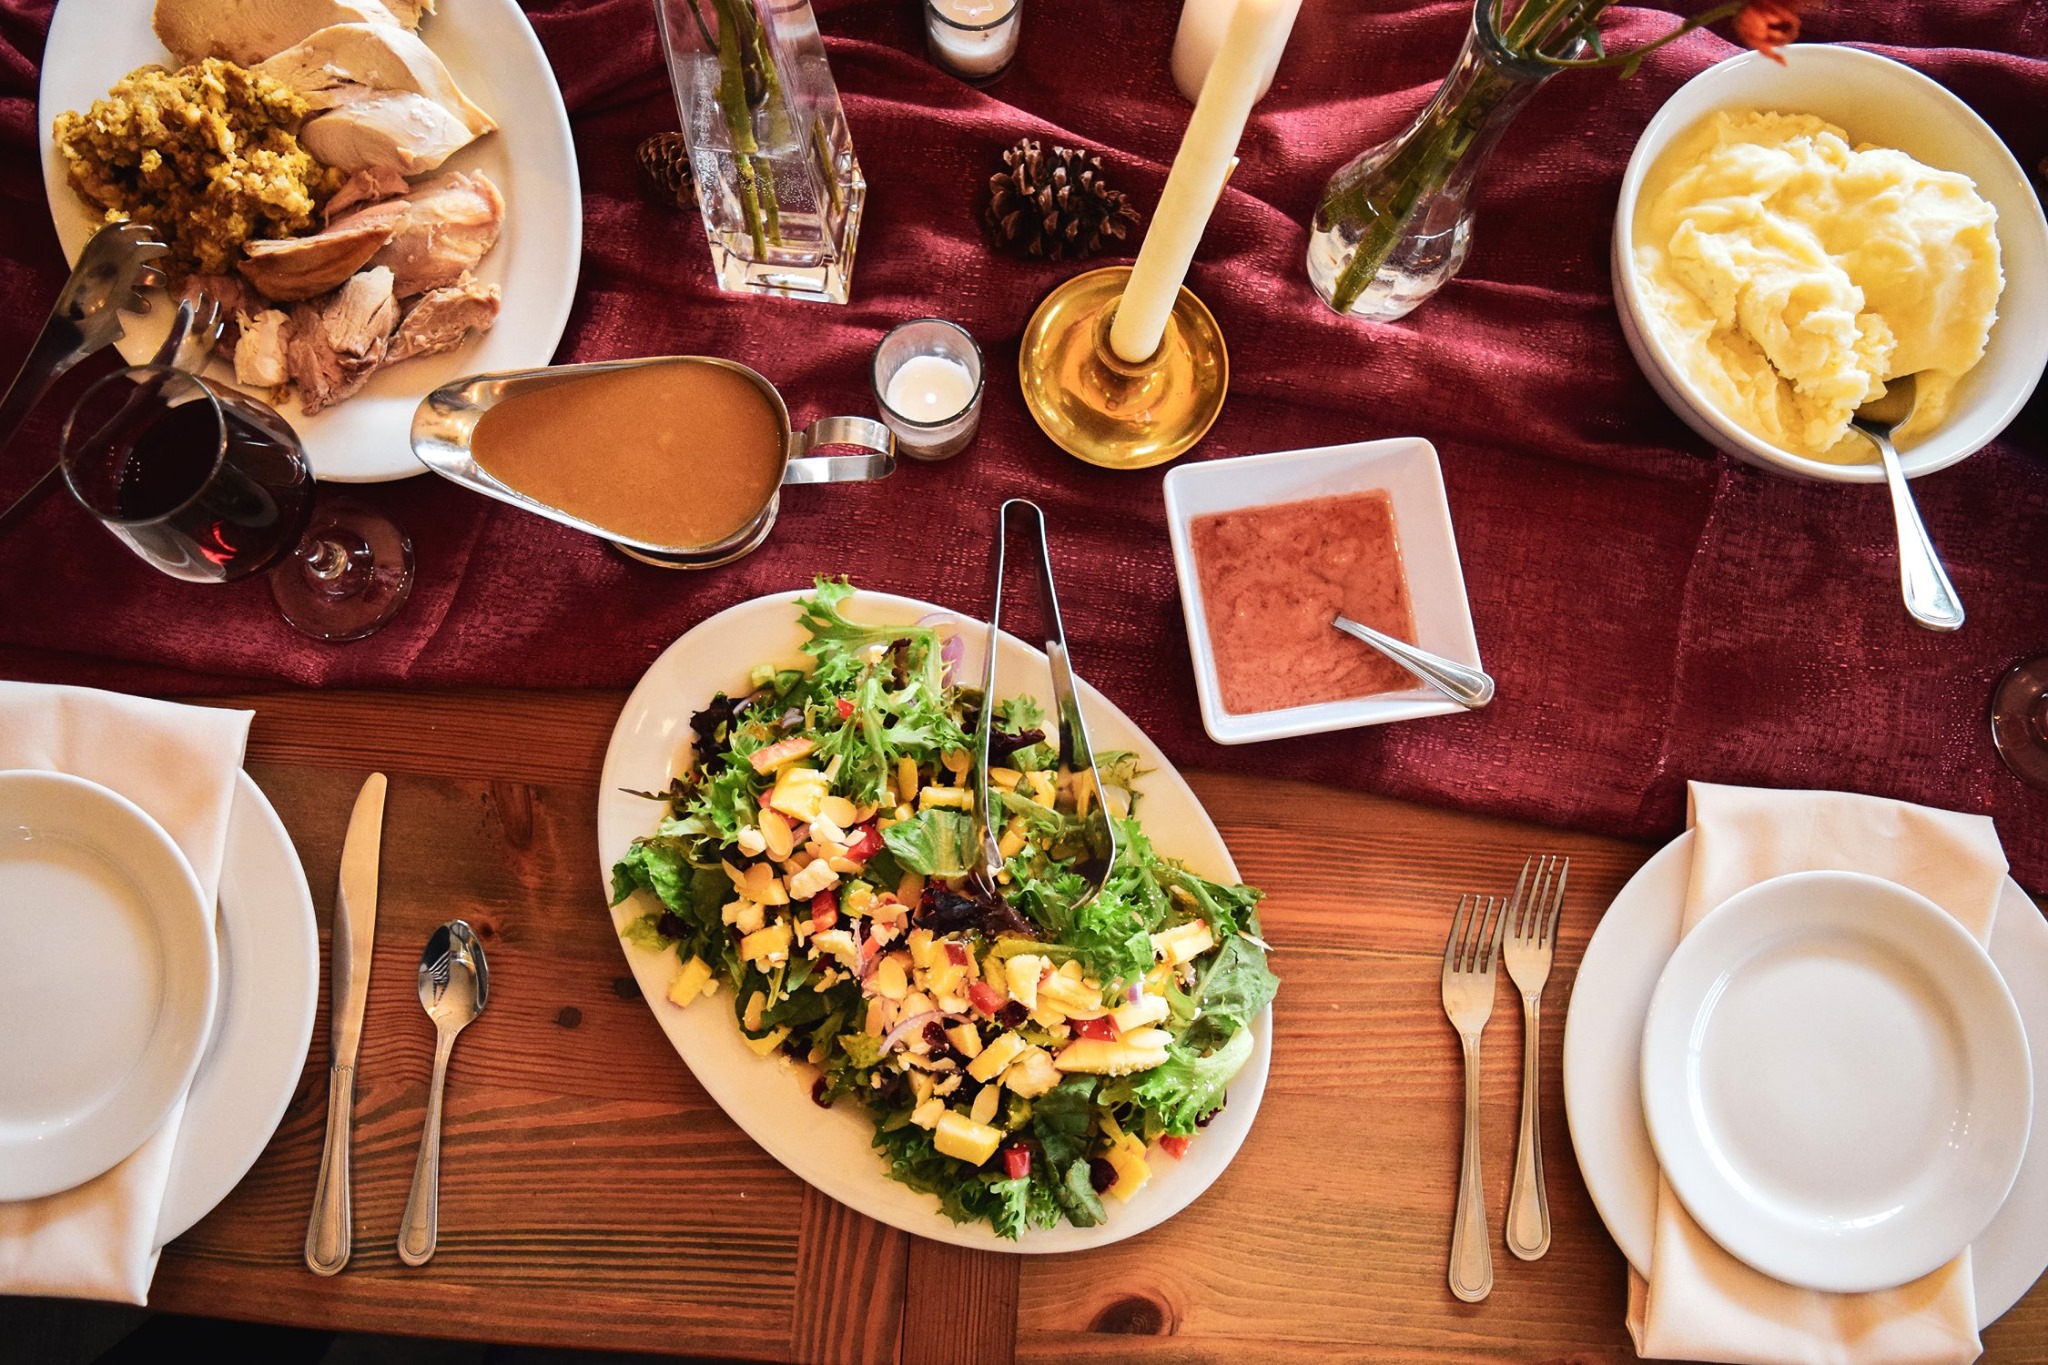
[{"x": 1074, "y": 749}]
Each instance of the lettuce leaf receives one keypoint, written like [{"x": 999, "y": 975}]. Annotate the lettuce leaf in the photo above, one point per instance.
[
  {"x": 937, "y": 842},
  {"x": 1188, "y": 1086}
]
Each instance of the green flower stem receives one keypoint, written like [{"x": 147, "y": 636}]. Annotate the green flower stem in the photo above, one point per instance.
[
  {"x": 743, "y": 48},
  {"x": 1420, "y": 167}
]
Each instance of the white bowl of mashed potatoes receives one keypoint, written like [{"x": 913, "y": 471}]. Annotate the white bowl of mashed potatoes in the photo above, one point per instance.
[{"x": 1791, "y": 238}]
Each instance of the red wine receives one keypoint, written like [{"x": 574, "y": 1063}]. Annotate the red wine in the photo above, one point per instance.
[{"x": 206, "y": 520}]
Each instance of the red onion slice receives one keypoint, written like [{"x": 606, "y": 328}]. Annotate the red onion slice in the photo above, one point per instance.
[{"x": 895, "y": 1035}]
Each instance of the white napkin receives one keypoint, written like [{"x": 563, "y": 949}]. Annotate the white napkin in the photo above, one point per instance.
[
  {"x": 178, "y": 763},
  {"x": 1700, "y": 1303}
]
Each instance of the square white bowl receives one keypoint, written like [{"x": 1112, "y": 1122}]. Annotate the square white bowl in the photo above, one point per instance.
[{"x": 1406, "y": 468}]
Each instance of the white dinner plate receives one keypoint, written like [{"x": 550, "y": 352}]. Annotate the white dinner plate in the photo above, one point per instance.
[
  {"x": 269, "y": 984},
  {"x": 771, "y": 1100},
  {"x": 106, "y": 979},
  {"x": 491, "y": 51},
  {"x": 1836, "y": 1081},
  {"x": 1603, "y": 1074}
]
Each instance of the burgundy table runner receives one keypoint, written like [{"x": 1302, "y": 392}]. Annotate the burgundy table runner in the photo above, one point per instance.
[{"x": 1653, "y": 611}]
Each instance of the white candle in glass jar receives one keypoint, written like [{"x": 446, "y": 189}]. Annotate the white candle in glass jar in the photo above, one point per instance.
[
  {"x": 1202, "y": 25},
  {"x": 972, "y": 38},
  {"x": 930, "y": 388}
]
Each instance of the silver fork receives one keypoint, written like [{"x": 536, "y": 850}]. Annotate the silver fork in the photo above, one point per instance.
[
  {"x": 1532, "y": 934},
  {"x": 1469, "y": 957}
]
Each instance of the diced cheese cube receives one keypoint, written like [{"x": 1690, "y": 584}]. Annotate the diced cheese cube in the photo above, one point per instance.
[
  {"x": 743, "y": 915},
  {"x": 929, "y": 1114},
  {"x": 947, "y": 798},
  {"x": 768, "y": 944},
  {"x": 1127, "y": 1156},
  {"x": 752, "y": 842},
  {"x": 920, "y": 945},
  {"x": 989, "y": 1063},
  {"x": 798, "y": 792},
  {"x": 1183, "y": 942},
  {"x": 963, "y": 1139},
  {"x": 768, "y": 1041},
  {"x": 690, "y": 982},
  {"x": 967, "y": 1038},
  {"x": 1032, "y": 1074},
  {"x": 1022, "y": 973},
  {"x": 815, "y": 877},
  {"x": 839, "y": 945},
  {"x": 944, "y": 976}
]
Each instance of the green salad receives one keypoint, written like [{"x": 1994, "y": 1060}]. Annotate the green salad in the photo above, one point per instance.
[{"x": 1020, "y": 1049}]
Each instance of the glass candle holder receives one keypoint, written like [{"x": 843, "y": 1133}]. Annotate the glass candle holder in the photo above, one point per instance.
[
  {"x": 973, "y": 39},
  {"x": 928, "y": 380}
]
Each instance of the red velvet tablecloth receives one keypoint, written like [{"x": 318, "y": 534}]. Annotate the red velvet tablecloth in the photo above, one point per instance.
[{"x": 1653, "y": 611}]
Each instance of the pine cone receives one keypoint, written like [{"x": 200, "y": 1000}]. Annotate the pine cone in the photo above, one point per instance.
[
  {"x": 1055, "y": 206},
  {"x": 665, "y": 159}
]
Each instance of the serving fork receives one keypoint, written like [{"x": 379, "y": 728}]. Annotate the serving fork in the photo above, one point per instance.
[
  {"x": 1470, "y": 954},
  {"x": 1531, "y": 935}
]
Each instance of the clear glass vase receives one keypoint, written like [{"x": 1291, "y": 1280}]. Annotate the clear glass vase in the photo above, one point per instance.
[
  {"x": 1395, "y": 223},
  {"x": 776, "y": 178}
]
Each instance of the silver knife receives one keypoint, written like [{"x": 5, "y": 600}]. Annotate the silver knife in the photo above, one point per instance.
[{"x": 354, "y": 933}]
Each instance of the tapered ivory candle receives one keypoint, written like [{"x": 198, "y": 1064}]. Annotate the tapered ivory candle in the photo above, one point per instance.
[{"x": 1250, "y": 47}]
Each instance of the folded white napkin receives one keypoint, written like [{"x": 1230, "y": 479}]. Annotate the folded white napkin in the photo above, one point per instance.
[
  {"x": 178, "y": 763},
  {"x": 1700, "y": 1303}
]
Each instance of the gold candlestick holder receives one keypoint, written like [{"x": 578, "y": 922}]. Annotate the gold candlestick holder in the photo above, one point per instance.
[{"x": 1100, "y": 408}]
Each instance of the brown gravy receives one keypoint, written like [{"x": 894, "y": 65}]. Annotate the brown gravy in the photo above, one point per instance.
[
  {"x": 1272, "y": 580},
  {"x": 681, "y": 454}
]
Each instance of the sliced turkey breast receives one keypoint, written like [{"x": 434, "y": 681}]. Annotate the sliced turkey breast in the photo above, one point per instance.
[
  {"x": 397, "y": 130},
  {"x": 288, "y": 269},
  {"x": 247, "y": 31},
  {"x": 450, "y": 223},
  {"x": 370, "y": 186},
  {"x": 346, "y": 62},
  {"x": 334, "y": 348},
  {"x": 443, "y": 317}
]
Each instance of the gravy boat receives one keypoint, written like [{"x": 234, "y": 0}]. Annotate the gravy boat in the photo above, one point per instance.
[{"x": 445, "y": 423}]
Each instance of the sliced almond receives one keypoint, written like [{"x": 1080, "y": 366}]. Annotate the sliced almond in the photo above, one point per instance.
[{"x": 777, "y": 835}]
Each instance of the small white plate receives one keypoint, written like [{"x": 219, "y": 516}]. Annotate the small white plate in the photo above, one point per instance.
[
  {"x": 491, "y": 51},
  {"x": 1406, "y": 468},
  {"x": 269, "y": 985},
  {"x": 106, "y": 980},
  {"x": 1836, "y": 1081},
  {"x": 770, "y": 1099}
]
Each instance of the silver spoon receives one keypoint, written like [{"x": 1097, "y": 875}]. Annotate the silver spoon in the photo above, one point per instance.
[
  {"x": 1930, "y": 598},
  {"x": 1468, "y": 687},
  {"x": 454, "y": 984}
]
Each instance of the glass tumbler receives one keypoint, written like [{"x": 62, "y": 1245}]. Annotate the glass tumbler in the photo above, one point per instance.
[{"x": 928, "y": 381}]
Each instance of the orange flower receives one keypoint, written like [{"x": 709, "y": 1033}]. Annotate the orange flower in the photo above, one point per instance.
[{"x": 1768, "y": 25}]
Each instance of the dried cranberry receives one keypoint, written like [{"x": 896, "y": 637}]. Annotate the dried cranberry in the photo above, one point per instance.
[
  {"x": 1012, "y": 1015},
  {"x": 672, "y": 925},
  {"x": 969, "y": 1088},
  {"x": 1100, "y": 1174},
  {"x": 818, "y": 1094},
  {"x": 935, "y": 1039}
]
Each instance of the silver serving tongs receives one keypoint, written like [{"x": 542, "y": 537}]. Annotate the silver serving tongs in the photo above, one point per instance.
[{"x": 1074, "y": 749}]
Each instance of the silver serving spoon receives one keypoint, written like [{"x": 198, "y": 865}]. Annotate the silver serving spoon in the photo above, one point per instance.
[
  {"x": 1468, "y": 687},
  {"x": 455, "y": 982},
  {"x": 1930, "y": 598}
]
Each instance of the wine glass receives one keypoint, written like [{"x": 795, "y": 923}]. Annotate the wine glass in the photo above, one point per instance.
[
  {"x": 211, "y": 485},
  {"x": 2019, "y": 720}
]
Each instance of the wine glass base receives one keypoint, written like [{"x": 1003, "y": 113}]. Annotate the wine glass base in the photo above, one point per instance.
[
  {"x": 349, "y": 576},
  {"x": 2019, "y": 720}
]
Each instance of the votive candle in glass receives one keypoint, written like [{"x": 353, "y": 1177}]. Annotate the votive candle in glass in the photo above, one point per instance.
[
  {"x": 928, "y": 380},
  {"x": 973, "y": 39}
]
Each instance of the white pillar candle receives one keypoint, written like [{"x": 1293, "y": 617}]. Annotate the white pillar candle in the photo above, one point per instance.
[
  {"x": 1202, "y": 25},
  {"x": 973, "y": 39},
  {"x": 1258, "y": 30},
  {"x": 930, "y": 388}
]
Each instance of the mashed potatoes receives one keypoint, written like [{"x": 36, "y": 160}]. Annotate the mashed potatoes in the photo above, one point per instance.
[
  {"x": 207, "y": 155},
  {"x": 1790, "y": 275}
]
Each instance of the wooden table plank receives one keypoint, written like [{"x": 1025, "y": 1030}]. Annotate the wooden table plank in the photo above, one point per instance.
[{"x": 593, "y": 1195}]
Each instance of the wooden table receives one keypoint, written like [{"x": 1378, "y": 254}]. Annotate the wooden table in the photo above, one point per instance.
[{"x": 593, "y": 1195}]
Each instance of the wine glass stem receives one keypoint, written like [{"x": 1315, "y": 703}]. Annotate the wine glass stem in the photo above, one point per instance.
[{"x": 326, "y": 559}]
